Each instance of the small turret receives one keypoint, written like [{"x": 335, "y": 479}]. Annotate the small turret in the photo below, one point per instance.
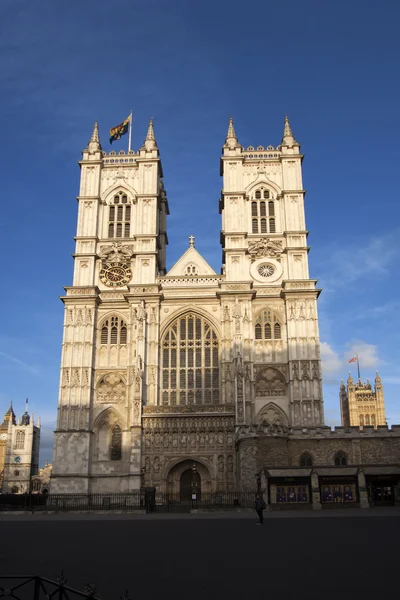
[
  {"x": 231, "y": 140},
  {"x": 25, "y": 417},
  {"x": 10, "y": 416},
  {"x": 288, "y": 137},
  {"x": 94, "y": 142},
  {"x": 150, "y": 141}
]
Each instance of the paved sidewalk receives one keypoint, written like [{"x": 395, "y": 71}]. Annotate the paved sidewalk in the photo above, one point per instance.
[{"x": 284, "y": 514}]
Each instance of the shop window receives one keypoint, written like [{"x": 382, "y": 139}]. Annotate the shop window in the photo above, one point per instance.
[
  {"x": 292, "y": 494},
  {"x": 338, "y": 492}
]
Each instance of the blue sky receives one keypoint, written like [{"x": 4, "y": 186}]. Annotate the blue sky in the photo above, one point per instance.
[{"x": 332, "y": 67}]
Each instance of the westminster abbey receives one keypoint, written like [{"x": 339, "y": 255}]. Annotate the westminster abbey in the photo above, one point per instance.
[{"x": 166, "y": 373}]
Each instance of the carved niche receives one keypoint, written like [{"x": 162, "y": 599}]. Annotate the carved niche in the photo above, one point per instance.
[
  {"x": 270, "y": 382},
  {"x": 272, "y": 417},
  {"x": 111, "y": 388}
]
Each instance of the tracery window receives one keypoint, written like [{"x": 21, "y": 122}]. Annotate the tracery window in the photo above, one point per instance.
[
  {"x": 191, "y": 270},
  {"x": 114, "y": 332},
  {"x": 373, "y": 420},
  {"x": 361, "y": 420},
  {"x": 267, "y": 326},
  {"x": 306, "y": 460},
  {"x": 116, "y": 443},
  {"x": 119, "y": 217},
  {"x": 190, "y": 362},
  {"x": 263, "y": 213},
  {"x": 20, "y": 440},
  {"x": 340, "y": 459},
  {"x": 367, "y": 419}
]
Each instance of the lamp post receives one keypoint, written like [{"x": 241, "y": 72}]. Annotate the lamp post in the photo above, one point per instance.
[{"x": 194, "y": 486}]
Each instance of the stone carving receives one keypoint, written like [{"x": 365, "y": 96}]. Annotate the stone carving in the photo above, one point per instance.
[
  {"x": 273, "y": 418},
  {"x": 270, "y": 382},
  {"x": 305, "y": 370},
  {"x": 116, "y": 253},
  {"x": 221, "y": 464},
  {"x": 315, "y": 370},
  {"x": 265, "y": 248},
  {"x": 201, "y": 408},
  {"x": 230, "y": 463},
  {"x": 156, "y": 464},
  {"x": 79, "y": 316},
  {"x": 111, "y": 388}
]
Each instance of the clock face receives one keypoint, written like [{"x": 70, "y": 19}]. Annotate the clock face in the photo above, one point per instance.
[
  {"x": 3, "y": 436},
  {"x": 17, "y": 459},
  {"x": 115, "y": 274}
]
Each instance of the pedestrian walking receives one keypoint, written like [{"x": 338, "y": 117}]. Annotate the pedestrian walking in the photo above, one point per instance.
[{"x": 260, "y": 506}]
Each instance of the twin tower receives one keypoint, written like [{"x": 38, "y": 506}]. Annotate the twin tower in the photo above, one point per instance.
[{"x": 165, "y": 370}]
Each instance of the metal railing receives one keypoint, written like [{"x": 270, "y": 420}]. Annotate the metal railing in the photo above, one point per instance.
[
  {"x": 40, "y": 588},
  {"x": 147, "y": 500}
]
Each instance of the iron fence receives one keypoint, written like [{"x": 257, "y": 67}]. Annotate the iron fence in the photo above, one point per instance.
[
  {"x": 40, "y": 588},
  {"x": 145, "y": 500}
]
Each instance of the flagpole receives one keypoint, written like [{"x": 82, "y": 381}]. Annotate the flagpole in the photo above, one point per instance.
[
  {"x": 358, "y": 369},
  {"x": 130, "y": 134}
]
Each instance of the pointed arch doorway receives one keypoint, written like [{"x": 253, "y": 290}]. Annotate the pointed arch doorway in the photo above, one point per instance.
[{"x": 188, "y": 477}]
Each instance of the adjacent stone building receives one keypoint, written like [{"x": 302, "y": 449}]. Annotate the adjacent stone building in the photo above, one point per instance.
[
  {"x": 19, "y": 452},
  {"x": 167, "y": 374},
  {"x": 360, "y": 405}
]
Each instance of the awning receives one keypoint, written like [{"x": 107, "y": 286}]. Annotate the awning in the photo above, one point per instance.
[
  {"x": 386, "y": 470},
  {"x": 287, "y": 472},
  {"x": 336, "y": 471}
]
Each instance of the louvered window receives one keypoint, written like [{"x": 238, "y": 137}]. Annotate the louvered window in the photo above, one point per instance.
[
  {"x": 267, "y": 326},
  {"x": 263, "y": 213},
  {"x": 114, "y": 332},
  {"x": 119, "y": 217}
]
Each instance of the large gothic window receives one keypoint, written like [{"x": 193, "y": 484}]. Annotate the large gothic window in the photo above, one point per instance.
[
  {"x": 20, "y": 440},
  {"x": 190, "y": 363},
  {"x": 340, "y": 459},
  {"x": 116, "y": 443},
  {"x": 262, "y": 212},
  {"x": 267, "y": 326},
  {"x": 113, "y": 332},
  {"x": 119, "y": 217}
]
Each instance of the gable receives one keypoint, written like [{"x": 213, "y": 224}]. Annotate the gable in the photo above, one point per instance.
[{"x": 191, "y": 264}]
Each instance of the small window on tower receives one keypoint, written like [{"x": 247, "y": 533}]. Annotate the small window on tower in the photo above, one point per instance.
[
  {"x": 258, "y": 194},
  {"x": 254, "y": 226},
  {"x": 271, "y": 209},
  {"x": 266, "y": 194},
  {"x": 272, "y": 226}
]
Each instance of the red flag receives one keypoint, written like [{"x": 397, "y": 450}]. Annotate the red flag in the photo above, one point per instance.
[{"x": 354, "y": 359}]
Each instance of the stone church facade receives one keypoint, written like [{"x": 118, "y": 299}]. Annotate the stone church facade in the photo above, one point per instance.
[{"x": 165, "y": 371}]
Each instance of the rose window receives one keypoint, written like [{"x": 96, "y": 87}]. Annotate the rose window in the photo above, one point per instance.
[{"x": 266, "y": 270}]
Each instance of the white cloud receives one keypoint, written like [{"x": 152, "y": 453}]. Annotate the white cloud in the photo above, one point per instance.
[
  {"x": 367, "y": 354},
  {"x": 355, "y": 261},
  {"x": 331, "y": 362}
]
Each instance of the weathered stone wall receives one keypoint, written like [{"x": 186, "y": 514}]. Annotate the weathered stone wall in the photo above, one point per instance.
[{"x": 259, "y": 450}]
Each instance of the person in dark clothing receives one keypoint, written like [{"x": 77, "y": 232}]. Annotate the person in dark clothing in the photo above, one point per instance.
[{"x": 260, "y": 505}]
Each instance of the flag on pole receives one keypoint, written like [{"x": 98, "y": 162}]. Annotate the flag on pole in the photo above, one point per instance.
[
  {"x": 117, "y": 132},
  {"x": 354, "y": 359}
]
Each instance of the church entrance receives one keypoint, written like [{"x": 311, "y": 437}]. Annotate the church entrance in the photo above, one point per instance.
[
  {"x": 186, "y": 478},
  {"x": 190, "y": 485}
]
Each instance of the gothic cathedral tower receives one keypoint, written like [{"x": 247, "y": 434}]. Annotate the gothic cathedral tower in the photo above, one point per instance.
[
  {"x": 264, "y": 240},
  {"x": 162, "y": 372}
]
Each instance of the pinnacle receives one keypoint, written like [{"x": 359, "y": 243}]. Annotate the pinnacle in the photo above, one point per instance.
[
  {"x": 288, "y": 137},
  {"x": 150, "y": 140},
  {"x": 231, "y": 130},
  {"x": 94, "y": 142},
  {"x": 150, "y": 131}
]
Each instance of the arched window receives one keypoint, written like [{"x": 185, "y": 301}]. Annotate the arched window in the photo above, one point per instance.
[
  {"x": 119, "y": 217},
  {"x": 262, "y": 209},
  {"x": 19, "y": 440},
  {"x": 306, "y": 460},
  {"x": 16, "y": 473},
  {"x": 267, "y": 326},
  {"x": 116, "y": 443},
  {"x": 114, "y": 332},
  {"x": 361, "y": 420},
  {"x": 340, "y": 459},
  {"x": 367, "y": 419},
  {"x": 190, "y": 362},
  {"x": 14, "y": 489},
  {"x": 373, "y": 420}
]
